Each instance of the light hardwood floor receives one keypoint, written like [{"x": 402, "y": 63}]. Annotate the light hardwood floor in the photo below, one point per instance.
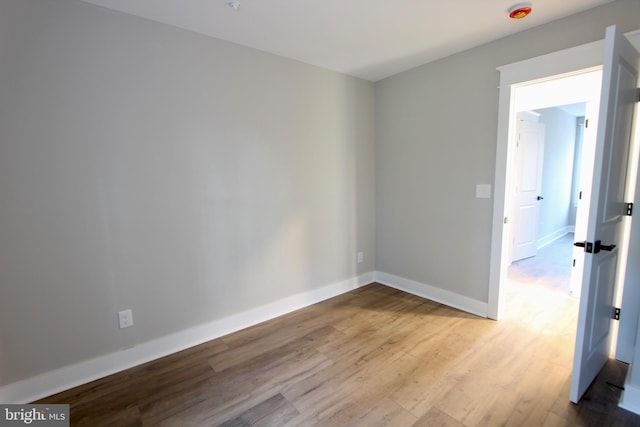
[{"x": 374, "y": 356}]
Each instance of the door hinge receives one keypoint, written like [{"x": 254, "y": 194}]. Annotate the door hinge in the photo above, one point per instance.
[
  {"x": 616, "y": 313},
  {"x": 629, "y": 209},
  {"x": 580, "y": 196},
  {"x": 586, "y": 123},
  {"x": 638, "y": 94}
]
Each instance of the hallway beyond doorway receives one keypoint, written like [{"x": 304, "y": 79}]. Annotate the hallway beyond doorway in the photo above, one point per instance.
[{"x": 551, "y": 267}]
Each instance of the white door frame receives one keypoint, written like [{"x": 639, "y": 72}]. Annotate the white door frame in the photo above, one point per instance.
[{"x": 562, "y": 63}]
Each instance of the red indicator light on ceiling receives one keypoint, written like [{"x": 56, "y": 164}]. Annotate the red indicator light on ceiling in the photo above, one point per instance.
[{"x": 519, "y": 12}]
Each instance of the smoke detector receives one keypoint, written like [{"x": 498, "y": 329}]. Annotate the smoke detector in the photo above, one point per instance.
[{"x": 520, "y": 10}]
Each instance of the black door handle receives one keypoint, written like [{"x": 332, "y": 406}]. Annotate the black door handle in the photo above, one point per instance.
[
  {"x": 588, "y": 246},
  {"x": 601, "y": 247},
  {"x": 540, "y": 197},
  {"x": 594, "y": 247}
]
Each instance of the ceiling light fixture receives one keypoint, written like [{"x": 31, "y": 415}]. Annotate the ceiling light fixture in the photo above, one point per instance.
[
  {"x": 520, "y": 10},
  {"x": 234, "y": 4}
]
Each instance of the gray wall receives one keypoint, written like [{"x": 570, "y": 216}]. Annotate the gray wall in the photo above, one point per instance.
[
  {"x": 146, "y": 167},
  {"x": 436, "y": 131},
  {"x": 557, "y": 173}
]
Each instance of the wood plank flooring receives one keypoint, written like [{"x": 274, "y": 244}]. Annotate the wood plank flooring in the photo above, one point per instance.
[{"x": 372, "y": 357}]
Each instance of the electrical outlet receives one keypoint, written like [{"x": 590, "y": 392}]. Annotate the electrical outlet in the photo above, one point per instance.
[
  {"x": 360, "y": 257},
  {"x": 125, "y": 318}
]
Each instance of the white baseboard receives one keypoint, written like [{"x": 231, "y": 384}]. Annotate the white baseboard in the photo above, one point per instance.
[
  {"x": 630, "y": 397},
  {"x": 433, "y": 293},
  {"x": 49, "y": 383},
  {"x": 550, "y": 238}
]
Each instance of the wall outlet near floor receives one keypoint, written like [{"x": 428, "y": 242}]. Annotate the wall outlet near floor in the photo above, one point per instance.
[
  {"x": 125, "y": 318},
  {"x": 360, "y": 257}
]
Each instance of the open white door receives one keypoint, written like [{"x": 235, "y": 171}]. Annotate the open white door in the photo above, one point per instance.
[
  {"x": 607, "y": 210},
  {"x": 528, "y": 186}
]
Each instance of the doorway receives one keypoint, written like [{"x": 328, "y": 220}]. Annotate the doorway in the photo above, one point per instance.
[
  {"x": 578, "y": 89},
  {"x": 514, "y": 78},
  {"x": 557, "y": 106}
]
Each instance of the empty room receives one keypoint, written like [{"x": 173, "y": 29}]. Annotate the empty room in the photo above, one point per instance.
[{"x": 242, "y": 212}]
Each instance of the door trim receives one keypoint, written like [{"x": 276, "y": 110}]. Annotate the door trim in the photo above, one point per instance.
[{"x": 563, "y": 63}]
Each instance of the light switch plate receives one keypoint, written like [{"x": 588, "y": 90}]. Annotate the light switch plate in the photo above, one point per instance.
[
  {"x": 125, "y": 318},
  {"x": 483, "y": 191}
]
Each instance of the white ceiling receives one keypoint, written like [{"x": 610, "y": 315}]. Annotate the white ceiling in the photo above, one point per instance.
[{"x": 371, "y": 39}]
